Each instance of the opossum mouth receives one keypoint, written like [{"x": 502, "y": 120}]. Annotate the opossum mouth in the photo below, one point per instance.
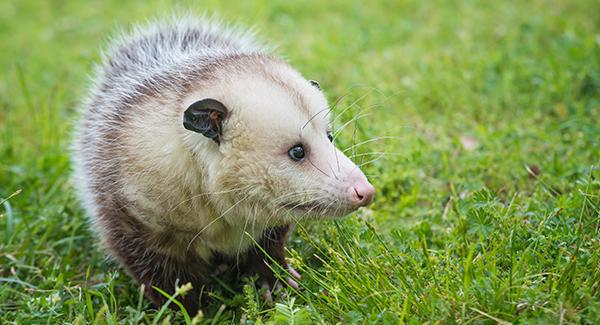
[
  {"x": 318, "y": 208},
  {"x": 305, "y": 206},
  {"x": 315, "y": 208}
]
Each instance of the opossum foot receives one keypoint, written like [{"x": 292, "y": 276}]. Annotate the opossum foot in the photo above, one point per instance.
[
  {"x": 266, "y": 292},
  {"x": 268, "y": 289}
]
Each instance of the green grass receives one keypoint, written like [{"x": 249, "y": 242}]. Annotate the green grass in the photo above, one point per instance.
[{"x": 488, "y": 202}]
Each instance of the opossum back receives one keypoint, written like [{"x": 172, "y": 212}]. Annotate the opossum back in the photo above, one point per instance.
[{"x": 178, "y": 40}]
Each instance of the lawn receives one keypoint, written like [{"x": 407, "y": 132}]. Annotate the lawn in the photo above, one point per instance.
[{"x": 478, "y": 122}]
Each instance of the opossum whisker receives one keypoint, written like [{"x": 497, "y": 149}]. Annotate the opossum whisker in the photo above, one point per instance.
[
  {"x": 274, "y": 207},
  {"x": 312, "y": 117},
  {"x": 337, "y": 160},
  {"x": 349, "y": 107},
  {"x": 332, "y": 171},
  {"x": 335, "y": 153},
  {"x": 307, "y": 213},
  {"x": 239, "y": 189},
  {"x": 319, "y": 169},
  {"x": 372, "y": 153},
  {"x": 355, "y": 155},
  {"x": 287, "y": 209},
  {"x": 335, "y": 134},
  {"x": 371, "y": 140},
  {"x": 336, "y": 202},
  {"x": 354, "y": 132},
  {"x": 239, "y": 249},
  {"x": 353, "y": 119},
  {"x": 293, "y": 195},
  {"x": 323, "y": 209},
  {"x": 215, "y": 220},
  {"x": 159, "y": 196},
  {"x": 337, "y": 208},
  {"x": 292, "y": 201},
  {"x": 361, "y": 113},
  {"x": 337, "y": 101},
  {"x": 302, "y": 203},
  {"x": 224, "y": 191},
  {"x": 255, "y": 219},
  {"x": 370, "y": 161}
]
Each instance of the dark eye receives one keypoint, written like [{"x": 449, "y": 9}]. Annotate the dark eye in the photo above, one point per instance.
[
  {"x": 315, "y": 83},
  {"x": 296, "y": 152},
  {"x": 329, "y": 136}
]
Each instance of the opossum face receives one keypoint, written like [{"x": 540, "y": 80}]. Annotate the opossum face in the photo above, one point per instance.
[{"x": 277, "y": 150}]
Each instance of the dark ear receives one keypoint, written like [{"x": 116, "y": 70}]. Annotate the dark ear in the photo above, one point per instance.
[
  {"x": 315, "y": 83},
  {"x": 206, "y": 116}
]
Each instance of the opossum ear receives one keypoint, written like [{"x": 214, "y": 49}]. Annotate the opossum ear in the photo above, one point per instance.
[
  {"x": 315, "y": 83},
  {"x": 206, "y": 116}
]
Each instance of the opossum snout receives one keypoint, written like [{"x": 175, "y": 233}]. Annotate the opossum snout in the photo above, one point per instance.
[{"x": 361, "y": 192}]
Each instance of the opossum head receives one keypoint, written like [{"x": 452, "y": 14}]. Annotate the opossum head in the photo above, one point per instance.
[{"x": 267, "y": 131}]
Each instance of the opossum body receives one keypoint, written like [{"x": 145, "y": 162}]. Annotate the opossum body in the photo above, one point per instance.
[{"x": 194, "y": 143}]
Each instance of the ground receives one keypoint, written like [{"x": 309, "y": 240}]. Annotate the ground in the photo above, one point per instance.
[{"x": 478, "y": 122}]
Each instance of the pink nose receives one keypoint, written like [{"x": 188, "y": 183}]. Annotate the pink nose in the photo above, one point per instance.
[{"x": 363, "y": 194}]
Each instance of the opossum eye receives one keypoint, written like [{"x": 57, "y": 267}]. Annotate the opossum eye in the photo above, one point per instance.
[
  {"x": 330, "y": 136},
  {"x": 296, "y": 152},
  {"x": 315, "y": 83},
  {"x": 206, "y": 117}
]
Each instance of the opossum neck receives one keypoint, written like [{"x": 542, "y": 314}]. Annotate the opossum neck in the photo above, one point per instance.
[{"x": 228, "y": 239}]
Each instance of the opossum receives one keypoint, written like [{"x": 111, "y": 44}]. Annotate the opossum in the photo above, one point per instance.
[{"x": 196, "y": 142}]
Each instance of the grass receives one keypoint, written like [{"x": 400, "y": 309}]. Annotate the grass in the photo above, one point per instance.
[{"x": 488, "y": 202}]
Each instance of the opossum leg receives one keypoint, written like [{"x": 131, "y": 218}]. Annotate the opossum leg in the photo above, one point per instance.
[
  {"x": 273, "y": 243},
  {"x": 153, "y": 269},
  {"x": 166, "y": 276}
]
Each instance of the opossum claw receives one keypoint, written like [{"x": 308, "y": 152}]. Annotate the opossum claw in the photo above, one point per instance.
[
  {"x": 266, "y": 295},
  {"x": 294, "y": 273},
  {"x": 292, "y": 283},
  {"x": 278, "y": 287}
]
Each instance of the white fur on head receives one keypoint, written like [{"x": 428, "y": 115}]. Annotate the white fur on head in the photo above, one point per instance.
[{"x": 273, "y": 108}]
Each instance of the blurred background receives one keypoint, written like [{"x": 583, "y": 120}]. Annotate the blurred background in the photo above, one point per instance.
[{"x": 478, "y": 123}]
